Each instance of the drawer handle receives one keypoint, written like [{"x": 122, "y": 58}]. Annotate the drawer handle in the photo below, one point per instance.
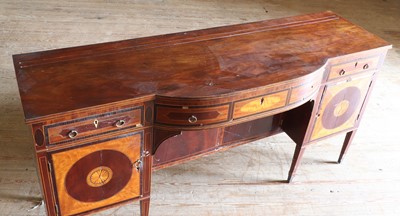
[
  {"x": 72, "y": 134},
  {"x": 366, "y": 66},
  {"x": 120, "y": 123},
  {"x": 342, "y": 72},
  {"x": 192, "y": 119}
]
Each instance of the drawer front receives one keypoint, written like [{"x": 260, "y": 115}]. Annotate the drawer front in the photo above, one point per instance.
[
  {"x": 97, "y": 175},
  {"x": 300, "y": 93},
  {"x": 341, "y": 103},
  {"x": 353, "y": 67},
  {"x": 93, "y": 125},
  {"x": 260, "y": 104},
  {"x": 191, "y": 115}
]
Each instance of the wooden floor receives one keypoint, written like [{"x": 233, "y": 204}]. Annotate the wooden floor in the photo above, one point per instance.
[{"x": 242, "y": 181}]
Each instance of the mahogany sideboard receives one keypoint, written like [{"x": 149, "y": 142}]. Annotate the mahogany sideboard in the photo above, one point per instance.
[{"x": 104, "y": 116}]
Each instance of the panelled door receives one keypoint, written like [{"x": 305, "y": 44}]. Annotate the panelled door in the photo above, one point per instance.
[
  {"x": 97, "y": 174},
  {"x": 340, "y": 106}
]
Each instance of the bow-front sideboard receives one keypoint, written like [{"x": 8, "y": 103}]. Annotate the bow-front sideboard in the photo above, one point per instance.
[{"x": 104, "y": 116}]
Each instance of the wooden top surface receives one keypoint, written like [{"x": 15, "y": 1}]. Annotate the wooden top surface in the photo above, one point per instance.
[{"x": 197, "y": 64}]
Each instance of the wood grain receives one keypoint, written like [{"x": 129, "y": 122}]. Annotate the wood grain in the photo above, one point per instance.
[{"x": 221, "y": 61}]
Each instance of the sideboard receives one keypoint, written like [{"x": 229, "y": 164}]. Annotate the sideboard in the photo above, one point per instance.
[{"x": 104, "y": 116}]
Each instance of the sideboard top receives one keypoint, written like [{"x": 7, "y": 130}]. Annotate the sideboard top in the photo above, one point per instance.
[{"x": 197, "y": 64}]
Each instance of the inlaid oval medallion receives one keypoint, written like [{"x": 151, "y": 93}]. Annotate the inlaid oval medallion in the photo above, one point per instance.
[
  {"x": 341, "y": 107},
  {"x": 98, "y": 175}
]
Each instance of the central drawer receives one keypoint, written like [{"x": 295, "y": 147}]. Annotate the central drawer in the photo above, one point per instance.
[
  {"x": 195, "y": 116},
  {"x": 260, "y": 104}
]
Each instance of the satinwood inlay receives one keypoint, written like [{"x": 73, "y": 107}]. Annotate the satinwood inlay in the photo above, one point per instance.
[{"x": 99, "y": 176}]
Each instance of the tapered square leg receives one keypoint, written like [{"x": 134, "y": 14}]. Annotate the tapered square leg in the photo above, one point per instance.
[
  {"x": 298, "y": 154},
  {"x": 347, "y": 141},
  {"x": 144, "y": 207}
]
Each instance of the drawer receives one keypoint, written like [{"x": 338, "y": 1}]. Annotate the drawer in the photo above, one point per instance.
[
  {"x": 349, "y": 68},
  {"x": 260, "y": 104},
  {"x": 93, "y": 125},
  {"x": 300, "y": 93},
  {"x": 191, "y": 115}
]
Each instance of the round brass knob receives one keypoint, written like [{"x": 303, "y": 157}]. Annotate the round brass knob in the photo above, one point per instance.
[
  {"x": 366, "y": 66},
  {"x": 192, "y": 119},
  {"x": 342, "y": 72},
  {"x": 72, "y": 134},
  {"x": 120, "y": 123}
]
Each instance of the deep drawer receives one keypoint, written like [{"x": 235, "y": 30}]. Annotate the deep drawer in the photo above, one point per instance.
[{"x": 93, "y": 125}]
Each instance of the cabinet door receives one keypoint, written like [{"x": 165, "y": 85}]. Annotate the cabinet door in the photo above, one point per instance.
[
  {"x": 340, "y": 106},
  {"x": 97, "y": 175}
]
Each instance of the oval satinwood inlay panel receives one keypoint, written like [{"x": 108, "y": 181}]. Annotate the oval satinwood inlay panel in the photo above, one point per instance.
[
  {"x": 98, "y": 175},
  {"x": 340, "y": 109}
]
